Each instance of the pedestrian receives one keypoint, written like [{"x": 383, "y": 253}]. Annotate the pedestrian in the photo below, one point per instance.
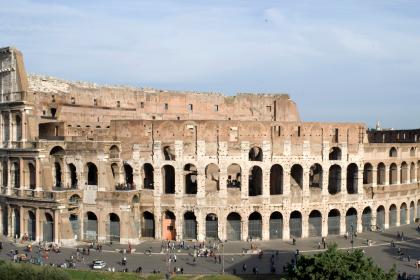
[
  {"x": 319, "y": 245},
  {"x": 220, "y": 259},
  {"x": 408, "y": 258},
  {"x": 254, "y": 270},
  {"x": 402, "y": 236},
  {"x": 392, "y": 243},
  {"x": 324, "y": 244},
  {"x": 294, "y": 241},
  {"x": 244, "y": 268}
]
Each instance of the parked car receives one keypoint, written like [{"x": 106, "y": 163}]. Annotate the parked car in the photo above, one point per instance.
[{"x": 98, "y": 264}]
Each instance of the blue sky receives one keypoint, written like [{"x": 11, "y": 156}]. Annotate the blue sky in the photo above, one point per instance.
[{"x": 339, "y": 60}]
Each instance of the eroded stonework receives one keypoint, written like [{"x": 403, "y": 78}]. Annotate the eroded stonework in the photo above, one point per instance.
[{"x": 86, "y": 162}]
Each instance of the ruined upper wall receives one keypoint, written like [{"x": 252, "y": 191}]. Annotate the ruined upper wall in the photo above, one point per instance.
[
  {"x": 85, "y": 103},
  {"x": 13, "y": 79},
  {"x": 394, "y": 136}
]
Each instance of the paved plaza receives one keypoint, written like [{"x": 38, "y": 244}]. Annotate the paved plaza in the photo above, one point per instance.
[{"x": 238, "y": 253}]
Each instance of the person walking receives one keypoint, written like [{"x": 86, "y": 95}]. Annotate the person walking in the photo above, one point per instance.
[{"x": 244, "y": 268}]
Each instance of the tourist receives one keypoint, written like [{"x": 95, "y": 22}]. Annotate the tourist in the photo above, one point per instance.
[{"x": 244, "y": 268}]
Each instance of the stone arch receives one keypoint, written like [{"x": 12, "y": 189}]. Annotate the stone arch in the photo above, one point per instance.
[
  {"x": 212, "y": 226},
  {"x": 92, "y": 174},
  {"x": 31, "y": 225},
  {"x": 335, "y": 153},
  {"x": 404, "y": 173},
  {"x": 168, "y": 179},
  {"x": 255, "y": 154},
  {"x": 381, "y": 174},
  {"x": 276, "y": 225},
  {"x": 380, "y": 217},
  {"x": 367, "y": 219},
  {"x": 189, "y": 226},
  {"x": 128, "y": 176},
  {"x": 148, "y": 176},
  {"x": 403, "y": 214},
  {"x": 233, "y": 226},
  {"x": 334, "y": 222},
  {"x": 190, "y": 179},
  {"x": 315, "y": 176},
  {"x": 315, "y": 223},
  {"x": 276, "y": 179},
  {"x": 135, "y": 199},
  {"x": 148, "y": 224},
  {"x": 255, "y": 180},
  {"x": 367, "y": 174},
  {"x": 212, "y": 172},
  {"x": 48, "y": 228},
  {"x": 114, "y": 152},
  {"x": 392, "y": 215},
  {"x": 168, "y": 225},
  {"x": 296, "y": 176},
  {"x": 32, "y": 175},
  {"x": 352, "y": 178},
  {"x": 57, "y": 151},
  {"x": 351, "y": 220},
  {"x": 255, "y": 226},
  {"x": 393, "y": 174},
  {"x": 75, "y": 199},
  {"x": 393, "y": 152},
  {"x": 334, "y": 179},
  {"x": 168, "y": 152},
  {"x": 73, "y": 175},
  {"x": 295, "y": 224},
  {"x": 90, "y": 226},
  {"x": 234, "y": 175},
  {"x": 412, "y": 152},
  {"x": 114, "y": 227},
  {"x": 412, "y": 172}
]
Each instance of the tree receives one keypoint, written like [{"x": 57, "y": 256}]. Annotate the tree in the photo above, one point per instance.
[{"x": 337, "y": 264}]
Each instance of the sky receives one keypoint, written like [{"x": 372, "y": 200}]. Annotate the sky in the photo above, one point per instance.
[{"x": 346, "y": 61}]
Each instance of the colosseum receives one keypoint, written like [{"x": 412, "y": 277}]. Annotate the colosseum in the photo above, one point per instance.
[{"x": 82, "y": 162}]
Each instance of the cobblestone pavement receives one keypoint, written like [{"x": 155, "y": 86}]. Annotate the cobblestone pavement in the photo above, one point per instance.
[{"x": 237, "y": 253}]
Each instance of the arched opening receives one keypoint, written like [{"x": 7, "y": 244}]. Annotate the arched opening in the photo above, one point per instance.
[
  {"x": 135, "y": 199},
  {"x": 31, "y": 225},
  {"x": 16, "y": 223},
  {"x": 276, "y": 179},
  {"x": 315, "y": 224},
  {"x": 335, "y": 153},
  {"x": 367, "y": 219},
  {"x": 255, "y": 226},
  {"x": 75, "y": 199},
  {"x": 168, "y": 179},
  {"x": 148, "y": 225},
  {"x": 404, "y": 173},
  {"x": 190, "y": 179},
  {"x": 16, "y": 175},
  {"x": 403, "y": 214},
  {"x": 276, "y": 225},
  {"x": 381, "y": 174},
  {"x": 367, "y": 174},
  {"x": 114, "y": 228},
  {"x": 233, "y": 226},
  {"x": 128, "y": 172},
  {"x": 92, "y": 174},
  {"x": 75, "y": 226},
  {"x": 168, "y": 226},
  {"x": 255, "y": 154},
  {"x": 212, "y": 178},
  {"x": 393, "y": 152},
  {"x": 352, "y": 178},
  {"x": 234, "y": 175},
  {"x": 114, "y": 152},
  {"x": 334, "y": 222},
  {"x": 48, "y": 229},
  {"x": 380, "y": 217},
  {"x": 18, "y": 129},
  {"x": 190, "y": 226},
  {"x": 212, "y": 226},
  {"x": 393, "y": 215},
  {"x": 90, "y": 227},
  {"x": 32, "y": 176},
  {"x": 334, "y": 179},
  {"x": 412, "y": 217},
  {"x": 418, "y": 209},
  {"x": 149, "y": 179},
  {"x": 58, "y": 183},
  {"x": 296, "y": 177},
  {"x": 351, "y": 220},
  {"x": 5, "y": 220},
  {"x": 412, "y": 172},
  {"x": 115, "y": 173},
  {"x": 315, "y": 176},
  {"x": 255, "y": 181},
  {"x": 73, "y": 175},
  {"x": 168, "y": 153},
  {"x": 393, "y": 174},
  {"x": 295, "y": 224},
  {"x": 412, "y": 152}
]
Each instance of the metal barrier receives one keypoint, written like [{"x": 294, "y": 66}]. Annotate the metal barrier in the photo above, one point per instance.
[
  {"x": 212, "y": 229},
  {"x": 366, "y": 222},
  {"x": 255, "y": 229},
  {"x": 333, "y": 225},
  {"x": 315, "y": 226},
  {"x": 295, "y": 227},
  {"x": 190, "y": 229},
  {"x": 233, "y": 230},
  {"x": 393, "y": 218},
  {"x": 276, "y": 228}
]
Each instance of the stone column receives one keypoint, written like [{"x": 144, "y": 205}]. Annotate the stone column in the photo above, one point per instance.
[
  {"x": 386, "y": 223},
  {"x": 286, "y": 181},
  {"x": 37, "y": 225},
  {"x": 386, "y": 181},
  {"x": 360, "y": 182},
  {"x": 398, "y": 217},
  {"x": 2, "y": 129},
  {"x": 221, "y": 228},
  {"x": 343, "y": 222},
  {"x": 325, "y": 175},
  {"x": 1, "y": 222},
  {"x": 266, "y": 182},
  {"x": 179, "y": 225},
  {"x": 8, "y": 182},
  {"x": 201, "y": 183},
  {"x": 102, "y": 227},
  {"x": 38, "y": 186},
  {"x": 21, "y": 221},
  {"x": 222, "y": 182},
  {"x": 201, "y": 227},
  {"x": 305, "y": 225},
  {"x": 57, "y": 223},
  {"x": 244, "y": 225},
  {"x": 374, "y": 176},
  {"x": 286, "y": 226},
  {"x": 9, "y": 142},
  {"x": 324, "y": 231},
  {"x": 244, "y": 182},
  {"x": 23, "y": 127},
  {"x": 158, "y": 223},
  {"x": 359, "y": 221},
  {"x": 265, "y": 226},
  {"x": 21, "y": 175},
  {"x": 399, "y": 175}
]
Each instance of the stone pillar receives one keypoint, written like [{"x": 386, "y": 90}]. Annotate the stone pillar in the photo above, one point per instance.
[
  {"x": 343, "y": 222},
  {"x": 10, "y": 230},
  {"x": 244, "y": 183},
  {"x": 37, "y": 225},
  {"x": 201, "y": 183},
  {"x": 373, "y": 219},
  {"x": 386, "y": 181},
  {"x": 265, "y": 227},
  {"x": 179, "y": 181},
  {"x": 21, "y": 221},
  {"x": 305, "y": 225},
  {"x": 222, "y": 182},
  {"x": 386, "y": 223},
  {"x": 23, "y": 127},
  {"x": 244, "y": 230},
  {"x": 8, "y": 182},
  {"x": 360, "y": 182},
  {"x": 221, "y": 229},
  {"x": 286, "y": 226},
  {"x": 102, "y": 227},
  {"x": 21, "y": 175},
  {"x": 158, "y": 223},
  {"x": 266, "y": 182},
  {"x": 324, "y": 231},
  {"x": 201, "y": 227},
  {"x": 179, "y": 225},
  {"x": 9, "y": 142},
  {"x": 286, "y": 181},
  {"x": 399, "y": 175},
  {"x": 359, "y": 221},
  {"x": 1, "y": 220},
  {"x": 2, "y": 129},
  {"x": 325, "y": 175},
  {"x": 374, "y": 176},
  {"x": 398, "y": 217}
]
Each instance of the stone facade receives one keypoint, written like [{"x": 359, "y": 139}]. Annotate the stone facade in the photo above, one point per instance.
[{"x": 86, "y": 162}]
